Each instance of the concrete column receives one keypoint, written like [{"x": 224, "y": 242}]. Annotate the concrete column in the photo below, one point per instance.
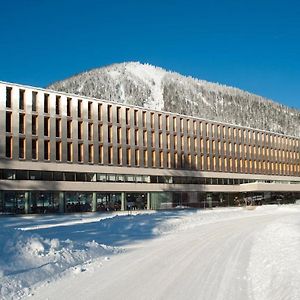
[
  {"x": 61, "y": 202},
  {"x": 27, "y": 204},
  {"x": 209, "y": 199},
  {"x": 149, "y": 201},
  {"x": 94, "y": 204},
  {"x": 123, "y": 201}
]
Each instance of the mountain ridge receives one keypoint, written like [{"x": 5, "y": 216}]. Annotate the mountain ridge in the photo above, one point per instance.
[{"x": 155, "y": 88}]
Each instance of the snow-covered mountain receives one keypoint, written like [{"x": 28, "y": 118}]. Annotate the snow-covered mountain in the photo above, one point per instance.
[{"x": 155, "y": 88}]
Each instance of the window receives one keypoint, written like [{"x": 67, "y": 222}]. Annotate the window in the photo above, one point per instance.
[
  {"x": 109, "y": 113},
  {"x": 57, "y": 105},
  {"x": 145, "y": 138},
  {"x": 137, "y": 157},
  {"x": 21, "y": 123},
  {"x": 46, "y": 103},
  {"x": 176, "y": 160},
  {"x": 169, "y": 160},
  {"x": 208, "y": 163},
  {"x": 99, "y": 112},
  {"x": 161, "y": 159},
  {"x": 159, "y": 121},
  {"x": 188, "y": 124},
  {"x": 22, "y": 148},
  {"x": 69, "y": 129},
  {"x": 145, "y": 158},
  {"x": 189, "y": 143},
  {"x": 69, "y": 152},
  {"x": 201, "y": 145},
  {"x": 58, "y": 151},
  {"x": 136, "y": 137},
  {"x": 196, "y": 144},
  {"x": 181, "y": 124},
  {"x": 195, "y": 127},
  {"x": 100, "y": 154},
  {"x": 118, "y": 114},
  {"x": 153, "y": 139},
  {"x": 100, "y": 133},
  {"x": 119, "y": 135},
  {"x": 46, "y": 126},
  {"x": 8, "y": 147},
  {"x": 167, "y": 123},
  {"x": 91, "y": 153},
  {"x": 160, "y": 140},
  {"x": 135, "y": 117},
  {"x": 34, "y": 98},
  {"x": 69, "y": 107},
  {"x": 79, "y": 109},
  {"x": 174, "y": 124},
  {"x": 90, "y": 109},
  {"x": 90, "y": 131},
  {"x": 21, "y": 99},
  {"x": 152, "y": 120},
  {"x": 80, "y": 130},
  {"x": 58, "y": 128},
  {"x": 128, "y": 156},
  {"x": 46, "y": 150},
  {"x": 189, "y": 160},
  {"x": 168, "y": 141},
  {"x": 182, "y": 159},
  {"x": 153, "y": 158},
  {"x": 127, "y": 136},
  {"x": 34, "y": 125},
  {"x": 144, "y": 119},
  {"x": 175, "y": 141},
  {"x": 8, "y": 97},
  {"x": 127, "y": 116},
  {"x": 80, "y": 152},
  {"x": 34, "y": 151},
  {"x": 119, "y": 156},
  {"x": 109, "y": 134},
  {"x": 8, "y": 121}
]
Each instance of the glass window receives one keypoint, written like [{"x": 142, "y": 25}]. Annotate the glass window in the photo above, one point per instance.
[
  {"x": 101, "y": 177},
  {"x": 78, "y": 202},
  {"x": 22, "y": 175},
  {"x": 91, "y": 177},
  {"x": 80, "y": 177},
  {"x": 47, "y": 175},
  {"x": 34, "y": 96},
  {"x": 44, "y": 202},
  {"x": 69, "y": 176},
  {"x": 58, "y": 176},
  {"x": 9, "y": 174},
  {"x": 8, "y": 97},
  {"x": 35, "y": 175}
]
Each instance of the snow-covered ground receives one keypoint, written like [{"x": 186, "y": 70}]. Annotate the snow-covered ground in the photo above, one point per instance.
[{"x": 224, "y": 253}]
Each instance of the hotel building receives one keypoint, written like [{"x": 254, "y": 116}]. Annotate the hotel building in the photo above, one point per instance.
[{"x": 61, "y": 152}]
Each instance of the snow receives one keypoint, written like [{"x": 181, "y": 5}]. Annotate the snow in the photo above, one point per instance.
[
  {"x": 224, "y": 253},
  {"x": 152, "y": 77},
  {"x": 275, "y": 261}
]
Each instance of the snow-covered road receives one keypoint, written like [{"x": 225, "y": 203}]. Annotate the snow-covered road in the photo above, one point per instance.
[{"x": 248, "y": 255}]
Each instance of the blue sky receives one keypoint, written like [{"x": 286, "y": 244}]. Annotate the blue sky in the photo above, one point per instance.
[{"x": 253, "y": 45}]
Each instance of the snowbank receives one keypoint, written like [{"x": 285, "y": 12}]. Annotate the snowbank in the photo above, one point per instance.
[
  {"x": 27, "y": 258},
  {"x": 275, "y": 261},
  {"x": 38, "y": 249}
]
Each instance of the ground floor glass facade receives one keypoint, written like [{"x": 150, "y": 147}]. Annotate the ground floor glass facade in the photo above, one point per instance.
[{"x": 41, "y": 202}]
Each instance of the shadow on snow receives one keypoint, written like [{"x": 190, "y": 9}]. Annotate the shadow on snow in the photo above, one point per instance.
[{"x": 113, "y": 231}]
